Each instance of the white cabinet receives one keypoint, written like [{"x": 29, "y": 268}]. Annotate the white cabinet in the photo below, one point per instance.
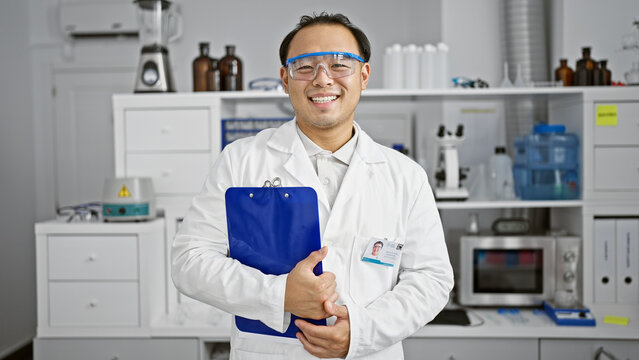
[
  {"x": 115, "y": 349},
  {"x": 174, "y": 138},
  {"x": 617, "y": 168},
  {"x": 576, "y": 349},
  {"x": 470, "y": 349},
  {"x": 99, "y": 279},
  {"x": 611, "y": 145}
]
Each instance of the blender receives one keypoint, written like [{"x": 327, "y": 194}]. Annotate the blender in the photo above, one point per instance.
[{"x": 154, "y": 70}]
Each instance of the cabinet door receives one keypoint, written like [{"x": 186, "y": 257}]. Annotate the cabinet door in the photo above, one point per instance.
[
  {"x": 625, "y": 132},
  {"x": 471, "y": 349},
  {"x": 104, "y": 257},
  {"x": 617, "y": 168},
  {"x": 112, "y": 349},
  {"x": 167, "y": 130},
  {"x": 94, "y": 304},
  {"x": 172, "y": 173},
  {"x": 587, "y": 349},
  {"x": 83, "y": 130}
]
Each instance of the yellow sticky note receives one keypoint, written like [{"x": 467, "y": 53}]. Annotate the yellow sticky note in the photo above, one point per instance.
[
  {"x": 606, "y": 115},
  {"x": 616, "y": 320}
]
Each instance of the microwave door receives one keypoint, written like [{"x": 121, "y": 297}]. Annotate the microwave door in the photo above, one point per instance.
[{"x": 511, "y": 271}]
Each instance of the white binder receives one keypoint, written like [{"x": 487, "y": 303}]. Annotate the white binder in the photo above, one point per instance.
[
  {"x": 605, "y": 264},
  {"x": 627, "y": 258}
]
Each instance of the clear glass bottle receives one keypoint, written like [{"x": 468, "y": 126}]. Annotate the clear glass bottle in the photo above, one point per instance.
[
  {"x": 230, "y": 70},
  {"x": 564, "y": 73},
  {"x": 201, "y": 66}
]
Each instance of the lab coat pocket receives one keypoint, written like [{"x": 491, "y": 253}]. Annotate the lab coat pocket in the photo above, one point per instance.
[{"x": 368, "y": 280}]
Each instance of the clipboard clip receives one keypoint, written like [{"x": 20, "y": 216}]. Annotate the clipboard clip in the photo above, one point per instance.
[{"x": 276, "y": 182}]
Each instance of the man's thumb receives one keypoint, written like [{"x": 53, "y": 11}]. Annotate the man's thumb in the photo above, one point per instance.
[
  {"x": 333, "y": 309},
  {"x": 315, "y": 257}
]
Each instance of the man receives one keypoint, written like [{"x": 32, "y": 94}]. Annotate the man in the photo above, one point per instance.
[
  {"x": 365, "y": 192},
  {"x": 377, "y": 247}
]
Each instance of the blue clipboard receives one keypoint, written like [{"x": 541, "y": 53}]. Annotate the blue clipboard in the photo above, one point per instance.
[{"x": 272, "y": 229}]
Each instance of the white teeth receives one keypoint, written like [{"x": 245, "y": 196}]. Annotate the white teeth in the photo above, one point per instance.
[{"x": 323, "y": 99}]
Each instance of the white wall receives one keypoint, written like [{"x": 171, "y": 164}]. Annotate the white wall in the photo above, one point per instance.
[
  {"x": 17, "y": 207},
  {"x": 598, "y": 24},
  {"x": 258, "y": 27},
  {"x": 472, "y": 30},
  {"x": 30, "y": 30}
]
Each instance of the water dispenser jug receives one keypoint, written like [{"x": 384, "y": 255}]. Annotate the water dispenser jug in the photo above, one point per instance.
[{"x": 547, "y": 164}]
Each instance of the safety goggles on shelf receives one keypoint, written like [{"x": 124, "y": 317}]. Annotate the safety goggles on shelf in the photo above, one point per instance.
[{"x": 336, "y": 64}]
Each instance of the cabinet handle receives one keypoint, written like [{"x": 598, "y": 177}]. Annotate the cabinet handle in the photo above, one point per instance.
[
  {"x": 607, "y": 354},
  {"x": 166, "y": 173},
  {"x": 115, "y": 357},
  {"x": 93, "y": 303},
  {"x": 92, "y": 257},
  {"x": 165, "y": 130}
]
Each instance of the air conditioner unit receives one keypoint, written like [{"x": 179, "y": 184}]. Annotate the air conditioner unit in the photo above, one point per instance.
[{"x": 103, "y": 18}]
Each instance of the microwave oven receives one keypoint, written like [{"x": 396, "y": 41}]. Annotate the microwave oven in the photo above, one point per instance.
[{"x": 518, "y": 270}]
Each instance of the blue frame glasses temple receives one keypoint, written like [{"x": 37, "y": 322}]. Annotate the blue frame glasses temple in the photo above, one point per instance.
[{"x": 322, "y": 53}]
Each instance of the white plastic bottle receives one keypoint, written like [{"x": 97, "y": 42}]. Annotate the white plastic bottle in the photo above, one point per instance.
[
  {"x": 411, "y": 67},
  {"x": 442, "y": 68},
  {"x": 396, "y": 68},
  {"x": 427, "y": 67},
  {"x": 388, "y": 53},
  {"x": 501, "y": 175}
]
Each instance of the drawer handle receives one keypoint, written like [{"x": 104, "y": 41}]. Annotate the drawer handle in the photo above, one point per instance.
[
  {"x": 115, "y": 357},
  {"x": 93, "y": 303},
  {"x": 92, "y": 258},
  {"x": 166, "y": 173},
  {"x": 165, "y": 130}
]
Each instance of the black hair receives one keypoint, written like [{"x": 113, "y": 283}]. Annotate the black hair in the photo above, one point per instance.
[
  {"x": 325, "y": 18},
  {"x": 379, "y": 242}
]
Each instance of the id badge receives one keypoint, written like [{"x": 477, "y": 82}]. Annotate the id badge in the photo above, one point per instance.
[{"x": 382, "y": 252}]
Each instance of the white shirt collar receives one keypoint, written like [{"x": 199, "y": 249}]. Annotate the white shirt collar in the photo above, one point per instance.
[{"x": 343, "y": 154}]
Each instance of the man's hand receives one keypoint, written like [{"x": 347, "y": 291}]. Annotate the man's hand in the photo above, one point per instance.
[
  {"x": 306, "y": 292},
  {"x": 327, "y": 341}
]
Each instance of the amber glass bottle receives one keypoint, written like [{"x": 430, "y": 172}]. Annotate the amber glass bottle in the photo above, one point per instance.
[
  {"x": 230, "y": 70},
  {"x": 201, "y": 66},
  {"x": 585, "y": 67},
  {"x": 564, "y": 73},
  {"x": 606, "y": 74}
]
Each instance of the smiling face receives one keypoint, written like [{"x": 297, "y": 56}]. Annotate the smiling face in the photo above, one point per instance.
[
  {"x": 325, "y": 103},
  {"x": 377, "y": 247}
]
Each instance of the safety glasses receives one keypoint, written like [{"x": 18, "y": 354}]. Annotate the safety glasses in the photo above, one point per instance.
[{"x": 336, "y": 64}]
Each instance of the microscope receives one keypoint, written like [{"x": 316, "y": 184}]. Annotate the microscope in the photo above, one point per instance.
[{"x": 449, "y": 174}]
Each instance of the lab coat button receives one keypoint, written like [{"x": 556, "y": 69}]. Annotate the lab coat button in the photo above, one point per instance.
[{"x": 325, "y": 181}]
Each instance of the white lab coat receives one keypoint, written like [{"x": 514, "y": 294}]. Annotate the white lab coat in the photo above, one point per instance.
[{"x": 384, "y": 194}]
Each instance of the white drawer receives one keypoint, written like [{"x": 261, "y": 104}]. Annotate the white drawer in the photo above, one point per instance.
[
  {"x": 171, "y": 173},
  {"x": 626, "y": 132},
  {"x": 617, "y": 168},
  {"x": 158, "y": 130},
  {"x": 470, "y": 349},
  {"x": 573, "y": 349},
  {"x": 109, "y": 349},
  {"x": 93, "y": 304},
  {"x": 93, "y": 257}
]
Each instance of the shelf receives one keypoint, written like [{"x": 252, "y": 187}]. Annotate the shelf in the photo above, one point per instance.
[
  {"x": 461, "y": 205},
  {"x": 434, "y": 93}
]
